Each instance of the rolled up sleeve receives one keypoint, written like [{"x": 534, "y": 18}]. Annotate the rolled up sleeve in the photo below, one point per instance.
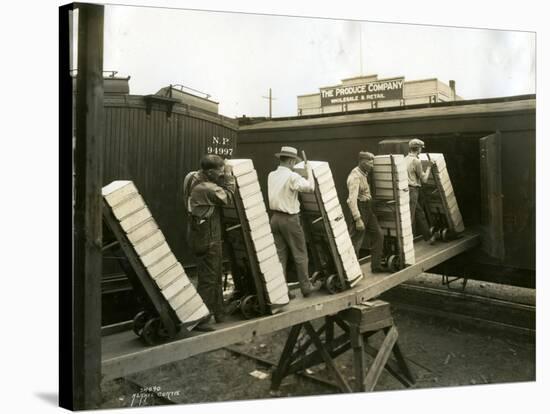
[
  {"x": 353, "y": 189},
  {"x": 300, "y": 184}
]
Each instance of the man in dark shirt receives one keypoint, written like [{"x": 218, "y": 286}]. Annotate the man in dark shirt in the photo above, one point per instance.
[{"x": 205, "y": 191}]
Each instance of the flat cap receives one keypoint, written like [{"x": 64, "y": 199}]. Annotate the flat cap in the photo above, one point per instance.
[
  {"x": 364, "y": 155},
  {"x": 416, "y": 143}
]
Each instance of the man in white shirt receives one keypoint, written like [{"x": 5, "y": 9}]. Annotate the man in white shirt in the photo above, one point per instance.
[
  {"x": 361, "y": 206},
  {"x": 283, "y": 186},
  {"x": 417, "y": 176}
]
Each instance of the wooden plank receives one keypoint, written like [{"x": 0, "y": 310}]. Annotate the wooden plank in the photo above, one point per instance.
[
  {"x": 381, "y": 358},
  {"x": 148, "y": 243},
  {"x": 176, "y": 286},
  {"x": 329, "y": 362},
  {"x": 359, "y": 363},
  {"x": 326, "y": 197},
  {"x": 252, "y": 200},
  {"x": 266, "y": 253},
  {"x": 258, "y": 221},
  {"x": 123, "y": 355},
  {"x": 272, "y": 263},
  {"x": 117, "y": 191},
  {"x": 146, "y": 228},
  {"x": 133, "y": 221},
  {"x": 128, "y": 206},
  {"x": 155, "y": 255},
  {"x": 187, "y": 297},
  {"x": 255, "y": 211},
  {"x": 264, "y": 242},
  {"x": 250, "y": 189},
  {"x": 246, "y": 179},
  {"x": 191, "y": 307},
  {"x": 170, "y": 275},
  {"x": 261, "y": 232},
  {"x": 157, "y": 268},
  {"x": 240, "y": 166}
]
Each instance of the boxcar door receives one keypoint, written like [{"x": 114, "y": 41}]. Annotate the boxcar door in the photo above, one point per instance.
[{"x": 491, "y": 195}]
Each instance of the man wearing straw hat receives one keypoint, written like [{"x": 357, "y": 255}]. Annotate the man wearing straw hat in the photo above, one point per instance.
[{"x": 283, "y": 186}]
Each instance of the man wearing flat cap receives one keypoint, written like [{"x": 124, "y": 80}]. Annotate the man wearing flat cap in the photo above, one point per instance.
[
  {"x": 417, "y": 176},
  {"x": 205, "y": 192},
  {"x": 361, "y": 205},
  {"x": 283, "y": 186}
]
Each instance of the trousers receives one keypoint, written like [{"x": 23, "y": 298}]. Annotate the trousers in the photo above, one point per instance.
[
  {"x": 205, "y": 239},
  {"x": 290, "y": 240},
  {"x": 418, "y": 218},
  {"x": 372, "y": 228}
]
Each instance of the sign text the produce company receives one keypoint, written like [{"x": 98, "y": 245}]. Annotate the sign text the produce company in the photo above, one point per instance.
[{"x": 372, "y": 91}]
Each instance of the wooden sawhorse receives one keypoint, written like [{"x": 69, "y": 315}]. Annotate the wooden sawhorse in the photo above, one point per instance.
[{"x": 358, "y": 323}]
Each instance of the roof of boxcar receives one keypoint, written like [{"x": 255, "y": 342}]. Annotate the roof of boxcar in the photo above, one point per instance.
[{"x": 443, "y": 109}]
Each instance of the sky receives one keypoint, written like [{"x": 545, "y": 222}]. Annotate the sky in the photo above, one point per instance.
[{"x": 236, "y": 57}]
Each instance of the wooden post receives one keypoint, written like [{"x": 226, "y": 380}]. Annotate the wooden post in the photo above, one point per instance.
[{"x": 86, "y": 322}]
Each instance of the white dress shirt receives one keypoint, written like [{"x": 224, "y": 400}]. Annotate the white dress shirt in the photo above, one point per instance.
[{"x": 283, "y": 186}]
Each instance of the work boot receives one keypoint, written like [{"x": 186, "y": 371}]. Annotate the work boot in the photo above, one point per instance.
[
  {"x": 205, "y": 325},
  {"x": 220, "y": 317},
  {"x": 309, "y": 288},
  {"x": 432, "y": 239},
  {"x": 231, "y": 307}
]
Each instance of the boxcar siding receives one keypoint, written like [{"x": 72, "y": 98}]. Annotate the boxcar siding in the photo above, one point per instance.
[
  {"x": 156, "y": 152},
  {"x": 455, "y": 135}
]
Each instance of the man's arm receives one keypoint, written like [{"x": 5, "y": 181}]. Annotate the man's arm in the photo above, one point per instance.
[
  {"x": 353, "y": 190},
  {"x": 301, "y": 184},
  {"x": 224, "y": 191},
  {"x": 423, "y": 175}
]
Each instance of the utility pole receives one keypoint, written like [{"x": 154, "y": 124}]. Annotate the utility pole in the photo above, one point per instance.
[
  {"x": 87, "y": 262},
  {"x": 360, "y": 50},
  {"x": 270, "y": 100}
]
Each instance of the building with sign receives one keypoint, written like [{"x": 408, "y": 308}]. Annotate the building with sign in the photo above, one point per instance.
[{"x": 366, "y": 92}]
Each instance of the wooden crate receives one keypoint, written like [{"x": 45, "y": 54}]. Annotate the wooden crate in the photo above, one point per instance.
[
  {"x": 442, "y": 200},
  {"x": 391, "y": 190},
  {"x": 134, "y": 223},
  {"x": 324, "y": 203},
  {"x": 250, "y": 213}
]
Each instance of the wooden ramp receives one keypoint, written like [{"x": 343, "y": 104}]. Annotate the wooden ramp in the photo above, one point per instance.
[{"x": 124, "y": 354}]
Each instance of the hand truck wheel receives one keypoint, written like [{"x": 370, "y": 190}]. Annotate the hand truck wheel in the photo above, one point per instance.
[
  {"x": 394, "y": 263},
  {"x": 249, "y": 306},
  {"x": 150, "y": 332},
  {"x": 432, "y": 230},
  {"x": 332, "y": 284},
  {"x": 445, "y": 234},
  {"x": 139, "y": 322}
]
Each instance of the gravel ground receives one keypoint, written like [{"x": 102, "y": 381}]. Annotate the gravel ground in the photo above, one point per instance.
[{"x": 441, "y": 353}]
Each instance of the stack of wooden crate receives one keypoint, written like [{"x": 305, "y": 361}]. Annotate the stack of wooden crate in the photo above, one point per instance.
[
  {"x": 391, "y": 190},
  {"x": 256, "y": 228},
  {"x": 443, "y": 201},
  {"x": 324, "y": 203},
  {"x": 141, "y": 232}
]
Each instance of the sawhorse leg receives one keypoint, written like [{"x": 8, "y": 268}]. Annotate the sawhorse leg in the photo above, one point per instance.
[
  {"x": 363, "y": 321},
  {"x": 358, "y": 324},
  {"x": 293, "y": 361}
]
